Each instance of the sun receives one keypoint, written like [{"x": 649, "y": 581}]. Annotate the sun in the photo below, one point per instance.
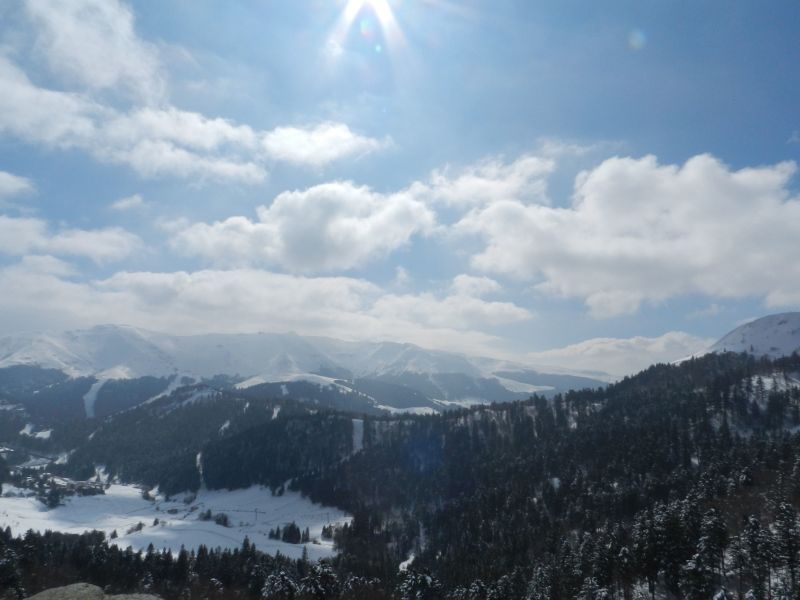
[
  {"x": 383, "y": 13},
  {"x": 381, "y": 9}
]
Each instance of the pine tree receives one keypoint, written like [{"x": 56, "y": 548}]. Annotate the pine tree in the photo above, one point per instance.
[{"x": 787, "y": 541}]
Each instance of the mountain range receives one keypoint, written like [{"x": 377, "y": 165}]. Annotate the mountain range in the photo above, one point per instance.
[
  {"x": 371, "y": 377},
  {"x": 384, "y": 376}
]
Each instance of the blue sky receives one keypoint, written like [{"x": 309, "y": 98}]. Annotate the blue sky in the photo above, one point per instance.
[{"x": 510, "y": 178}]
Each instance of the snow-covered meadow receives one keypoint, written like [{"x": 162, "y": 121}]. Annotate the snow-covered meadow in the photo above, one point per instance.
[{"x": 252, "y": 512}]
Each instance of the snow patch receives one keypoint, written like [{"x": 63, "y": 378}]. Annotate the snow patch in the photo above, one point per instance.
[
  {"x": 524, "y": 388},
  {"x": 199, "y": 462},
  {"x": 173, "y": 385},
  {"x": 413, "y": 410},
  {"x": 90, "y": 398},
  {"x": 358, "y": 435},
  {"x": 407, "y": 563},
  {"x": 28, "y": 431}
]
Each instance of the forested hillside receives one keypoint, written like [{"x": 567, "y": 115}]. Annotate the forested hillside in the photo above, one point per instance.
[{"x": 679, "y": 482}]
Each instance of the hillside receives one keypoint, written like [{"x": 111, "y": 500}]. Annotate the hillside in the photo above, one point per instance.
[
  {"x": 619, "y": 489},
  {"x": 773, "y": 336}
]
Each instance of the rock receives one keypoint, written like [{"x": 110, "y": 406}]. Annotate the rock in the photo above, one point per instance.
[
  {"x": 86, "y": 591},
  {"x": 78, "y": 591}
]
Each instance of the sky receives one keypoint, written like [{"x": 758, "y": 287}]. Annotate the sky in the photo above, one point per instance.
[{"x": 594, "y": 185}]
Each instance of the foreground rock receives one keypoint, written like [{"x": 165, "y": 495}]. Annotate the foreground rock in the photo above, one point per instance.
[{"x": 85, "y": 591}]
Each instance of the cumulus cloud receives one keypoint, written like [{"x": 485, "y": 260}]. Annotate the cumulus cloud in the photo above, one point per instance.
[
  {"x": 638, "y": 231},
  {"x": 243, "y": 300},
  {"x": 93, "y": 45},
  {"x": 491, "y": 180},
  {"x": 469, "y": 285},
  {"x": 21, "y": 236},
  {"x": 339, "y": 225},
  {"x": 330, "y": 226},
  {"x": 623, "y": 356},
  {"x": 93, "y": 42},
  {"x": 13, "y": 185},
  {"x": 318, "y": 145}
]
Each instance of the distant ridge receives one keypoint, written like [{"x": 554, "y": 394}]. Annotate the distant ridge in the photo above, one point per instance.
[{"x": 119, "y": 352}]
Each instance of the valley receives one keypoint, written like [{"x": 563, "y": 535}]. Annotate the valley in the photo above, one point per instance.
[{"x": 388, "y": 496}]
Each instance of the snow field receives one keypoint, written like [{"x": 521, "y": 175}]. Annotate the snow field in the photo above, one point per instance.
[{"x": 252, "y": 513}]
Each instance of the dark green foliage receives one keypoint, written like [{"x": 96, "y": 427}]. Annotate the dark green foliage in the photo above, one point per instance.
[
  {"x": 54, "y": 404},
  {"x": 294, "y": 445},
  {"x": 325, "y": 396},
  {"x": 24, "y": 380},
  {"x": 120, "y": 394},
  {"x": 158, "y": 443}
]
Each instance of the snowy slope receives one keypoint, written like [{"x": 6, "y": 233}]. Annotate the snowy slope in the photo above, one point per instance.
[
  {"x": 773, "y": 336},
  {"x": 252, "y": 513},
  {"x": 126, "y": 351},
  {"x": 130, "y": 352}
]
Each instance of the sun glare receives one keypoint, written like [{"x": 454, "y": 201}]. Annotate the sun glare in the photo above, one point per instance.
[{"x": 363, "y": 10}]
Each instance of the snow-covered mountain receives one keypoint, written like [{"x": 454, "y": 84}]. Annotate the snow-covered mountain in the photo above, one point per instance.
[
  {"x": 121, "y": 352},
  {"x": 773, "y": 336}
]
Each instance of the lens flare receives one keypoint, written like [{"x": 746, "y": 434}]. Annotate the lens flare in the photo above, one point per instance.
[
  {"x": 637, "y": 39},
  {"x": 370, "y": 16}
]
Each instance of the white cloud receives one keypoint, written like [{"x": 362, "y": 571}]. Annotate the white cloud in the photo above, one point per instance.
[
  {"x": 712, "y": 310},
  {"x": 491, "y": 180},
  {"x": 101, "y": 245},
  {"x": 22, "y": 236},
  {"x": 129, "y": 203},
  {"x": 469, "y": 285},
  {"x": 318, "y": 145},
  {"x": 67, "y": 120},
  {"x": 638, "y": 231},
  {"x": 159, "y": 158},
  {"x": 13, "y": 185},
  {"x": 93, "y": 42},
  {"x": 18, "y": 236},
  {"x": 623, "y": 356},
  {"x": 44, "y": 264},
  {"x": 160, "y": 142},
  {"x": 331, "y": 226},
  {"x": 53, "y": 118},
  {"x": 455, "y": 311},
  {"x": 244, "y": 300},
  {"x": 179, "y": 127}
]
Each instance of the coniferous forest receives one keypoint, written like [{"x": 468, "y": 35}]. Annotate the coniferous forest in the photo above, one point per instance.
[{"x": 680, "y": 482}]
